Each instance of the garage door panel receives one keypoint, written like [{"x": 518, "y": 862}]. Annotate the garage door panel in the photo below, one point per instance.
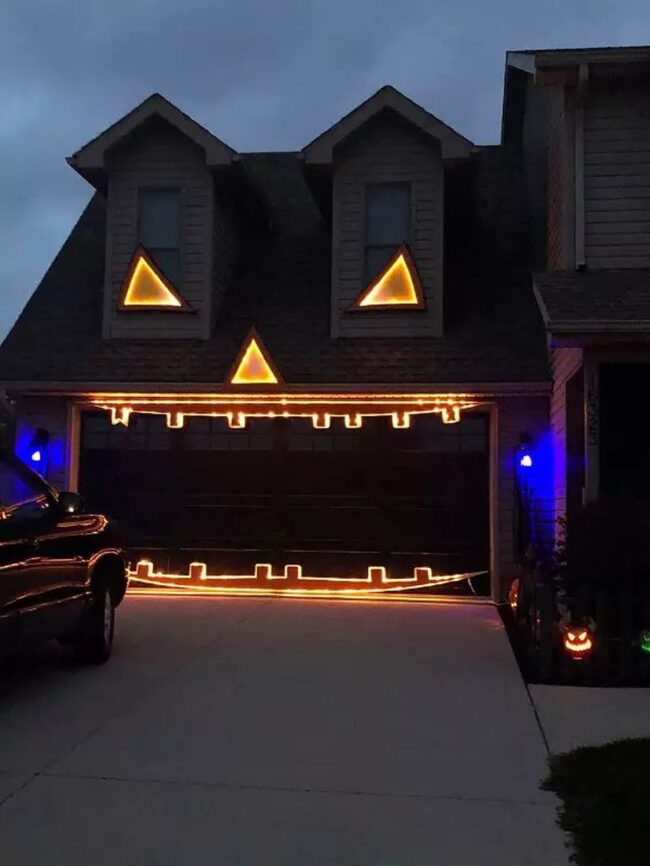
[
  {"x": 313, "y": 474},
  {"x": 354, "y": 525},
  {"x": 225, "y": 472},
  {"x": 226, "y": 522}
]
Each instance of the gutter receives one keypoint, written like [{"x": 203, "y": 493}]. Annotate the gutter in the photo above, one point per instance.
[{"x": 82, "y": 389}]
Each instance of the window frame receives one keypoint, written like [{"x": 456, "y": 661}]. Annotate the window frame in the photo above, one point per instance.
[
  {"x": 151, "y": 251},
  {"x": 365, "y": 245}
]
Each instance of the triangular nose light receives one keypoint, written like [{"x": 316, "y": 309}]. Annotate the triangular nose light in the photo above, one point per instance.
[{"x": 254, "y": 365}]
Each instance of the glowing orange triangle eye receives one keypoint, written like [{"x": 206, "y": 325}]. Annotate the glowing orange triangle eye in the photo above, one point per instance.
[
  {"x": 582, "y": 635},
  {"x": 571, "y": 635},
  {"x": 397, "y": 285},
  {"x": 145, "y": 286}
]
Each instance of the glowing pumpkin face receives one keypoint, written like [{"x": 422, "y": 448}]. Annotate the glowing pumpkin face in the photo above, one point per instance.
[{"x": 578, "y": 642}]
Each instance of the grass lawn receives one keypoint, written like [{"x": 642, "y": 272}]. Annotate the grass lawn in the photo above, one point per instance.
[{"x": 605, "y": 792}]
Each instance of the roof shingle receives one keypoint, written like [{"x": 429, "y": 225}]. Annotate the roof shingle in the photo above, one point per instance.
[
  {"x": 605, "y": 297},
  {"x": 493, "y": 330}
]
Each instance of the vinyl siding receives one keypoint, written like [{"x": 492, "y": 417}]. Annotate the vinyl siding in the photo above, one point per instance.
[
  {"x": 564, "y": 363},
  {"x": 387, "y": 151},
  {"x": 160, "y": 157},
  {"x": 617, "y": 179}
]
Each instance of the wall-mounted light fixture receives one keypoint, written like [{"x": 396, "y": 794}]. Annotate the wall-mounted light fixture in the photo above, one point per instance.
[
  {"x": 38, "y": 449},
  {"x": 524, "y": 453}
]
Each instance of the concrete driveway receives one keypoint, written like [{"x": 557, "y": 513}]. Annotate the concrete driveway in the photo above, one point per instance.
[{"x": 278, "y": 732}]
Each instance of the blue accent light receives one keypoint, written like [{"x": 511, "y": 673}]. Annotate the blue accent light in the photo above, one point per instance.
[
  {"x": 37, "y": 456},
  {"x": 526, "y": 461}
]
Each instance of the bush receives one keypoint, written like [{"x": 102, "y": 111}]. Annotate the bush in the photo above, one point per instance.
[{"x": 605, "y": 793}]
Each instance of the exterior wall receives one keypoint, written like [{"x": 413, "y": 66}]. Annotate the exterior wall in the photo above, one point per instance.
[
  {"x": 547, "y": 148},
  {"x": 617, "y": 178},
  {"x": 564, "y": 363},
  {"x": 387, "y": 151},
  {"x": 160, "y": 157},
  {"x": 512, "y": 417},
  {"x": 50, "y": 413}
]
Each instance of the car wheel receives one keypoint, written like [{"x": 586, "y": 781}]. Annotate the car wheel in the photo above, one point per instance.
[{"x": 94, "y": 641}]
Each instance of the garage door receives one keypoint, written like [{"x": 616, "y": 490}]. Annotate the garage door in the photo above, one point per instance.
[{"x": 335, "y": 501}]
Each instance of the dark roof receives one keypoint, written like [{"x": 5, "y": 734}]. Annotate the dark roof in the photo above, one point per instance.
[
  {"x": 586, "y": 299},
  {"x": 493, "y": 330}
]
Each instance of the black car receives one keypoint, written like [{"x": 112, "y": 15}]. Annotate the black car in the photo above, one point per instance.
[{"x": 62, "y": 571}]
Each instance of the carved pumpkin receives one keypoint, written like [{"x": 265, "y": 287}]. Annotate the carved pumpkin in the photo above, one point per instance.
[{"x": 578, "y": 639}]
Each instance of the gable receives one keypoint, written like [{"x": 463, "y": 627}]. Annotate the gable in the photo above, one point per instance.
[
  {"x": 453, "y": 145},
  {"x": 90, "y": 160}
]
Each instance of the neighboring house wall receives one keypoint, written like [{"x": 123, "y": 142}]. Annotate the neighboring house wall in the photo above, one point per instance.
[
  {"x": 547, "y": 142},
  {"x": 564, "y": 363},
  {"x": 617, "y": 178},
  {"x": 159, "y": 156},
  {"x": 50, "y": 413},
  {"x": 387, "y": 151},
  {"x": 514, "y": 416}
]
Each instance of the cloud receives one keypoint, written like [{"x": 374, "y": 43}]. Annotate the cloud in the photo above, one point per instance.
[{"x": 261, "y": 75}]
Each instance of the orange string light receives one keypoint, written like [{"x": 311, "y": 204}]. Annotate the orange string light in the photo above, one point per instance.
[{"x": 377, "y": 581}]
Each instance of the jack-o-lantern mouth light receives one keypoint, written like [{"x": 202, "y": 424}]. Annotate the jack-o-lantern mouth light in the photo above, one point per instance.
[{"x": 578, "y": 639}]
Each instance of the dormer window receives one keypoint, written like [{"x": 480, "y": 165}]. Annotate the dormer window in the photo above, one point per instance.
[
  {"x": 159, "y": 227},
  {"x": 388, "y": 224}
]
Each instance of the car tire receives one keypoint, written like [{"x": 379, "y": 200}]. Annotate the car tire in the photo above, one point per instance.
[{"x": 93, "y": 643}]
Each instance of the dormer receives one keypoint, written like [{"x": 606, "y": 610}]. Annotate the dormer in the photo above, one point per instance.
[
  {"x": 170, "y": 233},
  {"x": 379, "y": 172}
]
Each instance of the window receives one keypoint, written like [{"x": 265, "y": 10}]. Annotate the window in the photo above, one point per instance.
[
  {"x": 388, "y": 223},
  {"x": 159, "y": 221}
]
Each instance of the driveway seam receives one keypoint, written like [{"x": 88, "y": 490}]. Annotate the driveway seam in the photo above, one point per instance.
[
  {"x": 131, "y": 704},
  {"x": 287, "y": 789}
]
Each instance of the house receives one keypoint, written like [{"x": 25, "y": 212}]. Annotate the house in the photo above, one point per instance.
[
  {"x": 579, "y": 120},
  {"x": 332, "y": 362}
]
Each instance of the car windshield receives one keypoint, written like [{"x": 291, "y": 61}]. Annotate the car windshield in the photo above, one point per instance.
[{"x": 21, "y": 498}]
